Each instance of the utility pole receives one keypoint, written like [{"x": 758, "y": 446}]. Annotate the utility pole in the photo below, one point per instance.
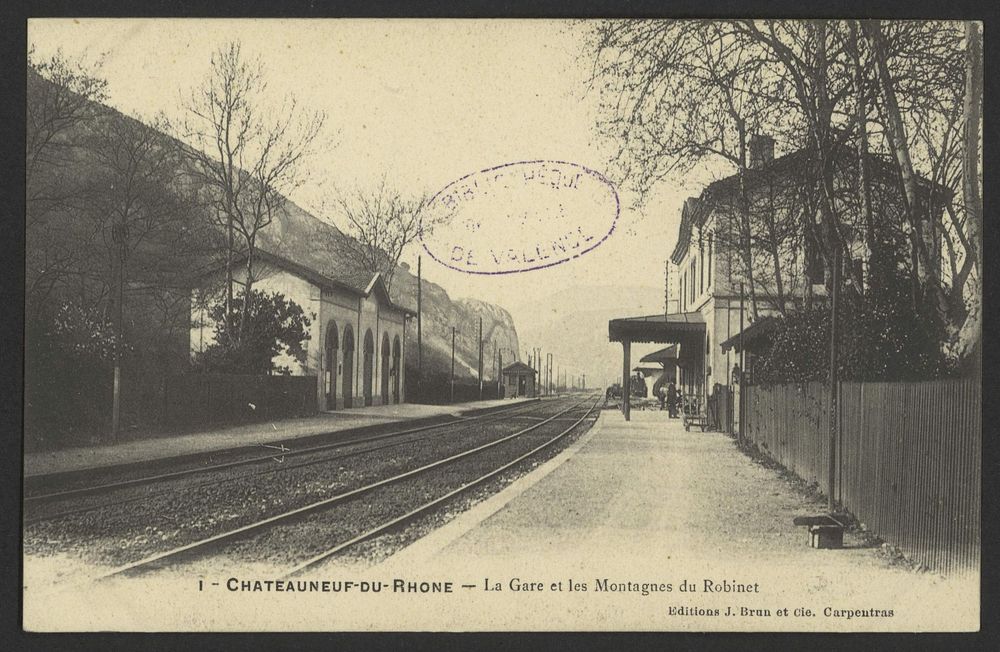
[
  {"x": 420, "y": 334},
  {"x": 541, "y": 371},
  {"x": 119, "y": 235},
  {"x": 452, "y": 364},
  {"x": 499, "y": 373},
  {"x": 480, "y": 358},
  {"x": 834, "y": 407},
  {"x": 743, "y": 374}
]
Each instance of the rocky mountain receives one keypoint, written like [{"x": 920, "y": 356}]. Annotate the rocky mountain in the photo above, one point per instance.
[{"x": 440, "y": 314}]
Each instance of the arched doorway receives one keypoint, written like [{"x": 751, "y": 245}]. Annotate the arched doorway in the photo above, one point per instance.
[
  {"x": 384, "y": 370},
  {"x": 396, "y": 354},
  {"x": 348, "y": 367},
  {"x": 369, "y": 366},
  {"x": 330, "y": 375}
]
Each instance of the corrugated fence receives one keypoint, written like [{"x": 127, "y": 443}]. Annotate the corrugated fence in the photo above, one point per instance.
[{"x": 909, "y": 463}]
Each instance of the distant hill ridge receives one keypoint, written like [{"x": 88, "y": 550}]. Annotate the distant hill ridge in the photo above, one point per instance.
[{"x": 304, "y": 238}]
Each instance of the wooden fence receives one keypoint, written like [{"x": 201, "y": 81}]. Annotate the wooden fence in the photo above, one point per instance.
[
  {"x": 909, "y": 458},
  {"x": 215, "y": 399}
]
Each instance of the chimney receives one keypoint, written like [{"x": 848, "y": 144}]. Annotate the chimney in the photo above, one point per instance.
[{"x": 761, "y": 150}]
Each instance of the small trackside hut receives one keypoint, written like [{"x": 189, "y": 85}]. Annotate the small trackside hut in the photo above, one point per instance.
[{"x": 519, "y": 379}]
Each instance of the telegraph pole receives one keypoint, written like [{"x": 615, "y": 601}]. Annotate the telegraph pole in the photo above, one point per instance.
[
  {"x": 834, "y": 408},
  {"x": 420, "y": 335},
  {"x": 742, "y": 387},
  {"x": 119, "y": 234},
  {"x": 480, "y": 358},
  {"x": 452, "y": 364},
  {"x": 499, "y": 372}
]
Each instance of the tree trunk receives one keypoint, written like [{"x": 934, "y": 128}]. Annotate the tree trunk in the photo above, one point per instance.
[
  {"x": 928, "y": 274},
  {"x": 746, "y": 241},
  {"x": 247, "y": 287},
  {"x": 972, "y": 108},
  {"x": 877, "y": 264},
  {"x": 973, "y": 119}
]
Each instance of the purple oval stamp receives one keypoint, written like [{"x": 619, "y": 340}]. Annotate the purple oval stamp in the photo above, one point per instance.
[{"x": 518, "y": 217}]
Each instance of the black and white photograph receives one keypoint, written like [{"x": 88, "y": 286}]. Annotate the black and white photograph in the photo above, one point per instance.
[{"x": 450, "y": 325}]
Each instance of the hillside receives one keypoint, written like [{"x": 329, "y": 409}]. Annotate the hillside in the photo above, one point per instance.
[{"x": 295, "y": 234}]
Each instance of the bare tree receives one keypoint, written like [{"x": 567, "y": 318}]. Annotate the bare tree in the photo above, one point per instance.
[
  {"x": 62, "y": 97},
  {"x": 247, "y": 154},
  {"x": 382, "y": 224},
  {"x": 137, "y": 206},
  {"x": 908, "y": 91},
  {"x": 971, "y": 157},
  {"x": 677, "y": 94}
]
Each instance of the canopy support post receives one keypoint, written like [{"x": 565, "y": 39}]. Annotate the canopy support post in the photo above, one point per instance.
[{"x": 626, "y": 378}]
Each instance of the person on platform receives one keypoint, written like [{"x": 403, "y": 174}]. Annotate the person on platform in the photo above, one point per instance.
[{"x": 672, "y": 400}]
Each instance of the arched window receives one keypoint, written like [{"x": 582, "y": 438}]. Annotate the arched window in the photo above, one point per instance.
[
  {"x": 348, "y": 374},
  {"x": 330, "y": 370},
  {"x": 368, "y": 366},
  {"x": 384, "y": 369}
]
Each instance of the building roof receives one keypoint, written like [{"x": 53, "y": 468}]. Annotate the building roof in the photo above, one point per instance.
[
  {"x": 788, "y": 166},
  {"x": 662, "y": 356},
  {"x": 666, "y": 328},
  {"x": 519, "y": 368},
  {"x": 694, "y": 212},
  {"x": 757, "y": 333},
  {"x": 375, "y": 283}
]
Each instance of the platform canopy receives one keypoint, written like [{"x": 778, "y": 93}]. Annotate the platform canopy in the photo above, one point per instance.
[
  {"x": 669, "y": 329},
  {"x": 684, "y": 328}
]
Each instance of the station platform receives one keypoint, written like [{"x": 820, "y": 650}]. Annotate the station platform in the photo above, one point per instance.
[
  {"x": 647, "y": 503},
  {"x": 226, "y": 437}
]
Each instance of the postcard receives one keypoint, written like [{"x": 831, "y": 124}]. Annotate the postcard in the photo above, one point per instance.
[{"x": 503, "y": 325}]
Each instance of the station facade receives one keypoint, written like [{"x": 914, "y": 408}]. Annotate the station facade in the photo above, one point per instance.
[
  {"x": 357, "y": 335},
  {"x": 725, "y": 287}
]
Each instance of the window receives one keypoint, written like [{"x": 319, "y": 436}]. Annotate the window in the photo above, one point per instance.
[
  {"x": 710, "y": 261},
  {"x": 692, "y": 281},
  {"x": 701, "y": 274}
]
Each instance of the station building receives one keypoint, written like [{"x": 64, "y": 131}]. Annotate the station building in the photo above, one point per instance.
[
  {"x": 711, "y": 317},
  {"x": 357, "y": 344}
]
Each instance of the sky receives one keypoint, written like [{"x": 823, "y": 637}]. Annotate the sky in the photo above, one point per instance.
[{"x": 422, "y": 103}]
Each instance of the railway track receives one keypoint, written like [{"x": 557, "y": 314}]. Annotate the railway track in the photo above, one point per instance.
[
  {"x": 296, "y": 521},
  {"x": 340, "y": 450}
]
